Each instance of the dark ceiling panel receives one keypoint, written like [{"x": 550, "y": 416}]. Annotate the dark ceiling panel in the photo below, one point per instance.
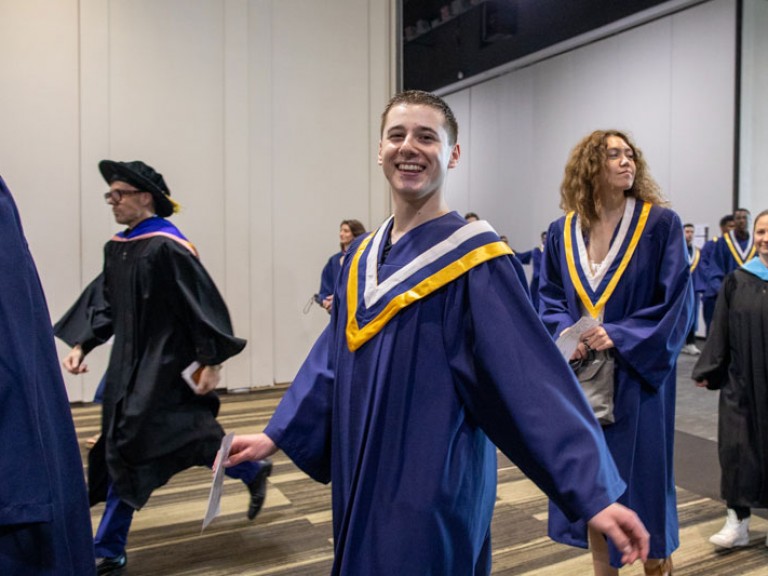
[{"x": 446, "y": 41}]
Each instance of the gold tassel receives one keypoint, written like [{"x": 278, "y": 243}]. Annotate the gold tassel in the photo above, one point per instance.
[{"x": 176, "y": 205}]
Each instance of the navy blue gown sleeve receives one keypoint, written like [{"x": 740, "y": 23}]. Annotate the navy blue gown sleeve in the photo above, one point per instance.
[
  {"x": 522, "y": 393},
  {"x": 301, "y": 424},
  {"x": 664, "y": 323},
  {"x": 556, "y": 309},
  {"x": 329, "y": 276}
]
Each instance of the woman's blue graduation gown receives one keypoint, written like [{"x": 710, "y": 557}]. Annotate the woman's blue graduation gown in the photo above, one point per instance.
[{"x": 647, "y": 316}]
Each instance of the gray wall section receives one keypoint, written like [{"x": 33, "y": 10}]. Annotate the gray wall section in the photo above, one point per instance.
[
  {"x": 669, "y": 83},
  {"x": 263, "y": 116}
]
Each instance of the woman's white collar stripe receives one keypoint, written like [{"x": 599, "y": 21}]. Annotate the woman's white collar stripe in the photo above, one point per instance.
[{"x": 597, "y": 278}]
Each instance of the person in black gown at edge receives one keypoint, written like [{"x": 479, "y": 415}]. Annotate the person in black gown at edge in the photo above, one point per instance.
[{"x": 735, "y": 362}]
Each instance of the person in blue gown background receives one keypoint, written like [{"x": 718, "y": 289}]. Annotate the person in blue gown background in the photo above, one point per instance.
[
  {"x": 45, "y": 524},
  {"x": 709, "y": 295},
  {"x": 433, "y": 355},
  {"x": 734, "y": 250},
  {"x": 533, "y": 257},
  {"x": 619, "y": 257},
  {"x": 348, "y": 231}
]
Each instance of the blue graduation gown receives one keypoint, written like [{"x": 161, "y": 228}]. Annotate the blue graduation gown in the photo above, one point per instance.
[
  {"x": 330, "y": 275},
  {"x": 533, "y": 257},
  {"x": 728, "y": 254},
  {"x": 401, "y": 399},
  {"x": 647, "y": 316},
  {"x": 45, "y": 524}
]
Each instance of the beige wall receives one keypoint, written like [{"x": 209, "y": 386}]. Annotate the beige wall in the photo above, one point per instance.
[
  {"x": 263, "y": 115},
  {"x": 259, "y": 113},
  {"x": 668, "y": 82}
]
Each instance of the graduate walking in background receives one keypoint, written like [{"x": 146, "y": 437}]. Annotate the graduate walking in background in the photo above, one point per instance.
[
  {"x": 619, "y": 257},
  {"x": 348, "y": 231}
]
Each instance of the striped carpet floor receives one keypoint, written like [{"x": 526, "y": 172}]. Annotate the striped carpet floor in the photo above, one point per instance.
[{"x": 292, "y": 535}]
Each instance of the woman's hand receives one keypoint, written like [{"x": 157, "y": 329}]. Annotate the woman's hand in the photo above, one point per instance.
[{"x": 597, "y": 339}]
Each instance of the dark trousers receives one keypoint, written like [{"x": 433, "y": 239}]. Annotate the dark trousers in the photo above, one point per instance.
[
  {"x": 708, "y": 310},
  {"x": 112, "y": 534}
]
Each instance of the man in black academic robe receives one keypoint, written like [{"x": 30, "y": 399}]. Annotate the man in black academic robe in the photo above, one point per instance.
[{"x": 165, "y": 314}]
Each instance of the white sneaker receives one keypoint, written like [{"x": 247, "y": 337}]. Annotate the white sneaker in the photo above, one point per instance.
[
  {"x": 735, "y": 532},
  {"x": 691, "y": 349}
]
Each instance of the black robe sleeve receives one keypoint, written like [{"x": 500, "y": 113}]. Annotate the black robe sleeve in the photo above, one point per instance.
[
  {"x": 88, "y": 322},
  {"x": 712, "y": 365},
  {"x": 202, "y": 310}
]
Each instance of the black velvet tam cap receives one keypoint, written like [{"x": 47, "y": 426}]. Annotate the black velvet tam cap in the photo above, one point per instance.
[{"x": 143, "y": 177}]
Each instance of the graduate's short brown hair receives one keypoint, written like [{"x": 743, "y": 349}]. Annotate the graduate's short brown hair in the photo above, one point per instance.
[{"x": 421, "y": 98}]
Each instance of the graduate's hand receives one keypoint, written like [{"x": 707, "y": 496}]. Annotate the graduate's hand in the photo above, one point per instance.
[
  {"x": 209, "y": 379},
  {"x": 73, "y": 362},
  {"x": 251, "y": 447},
  {"x": 597, "y": 338},
  {"x": 625, "y": 529},
  {"x": 328, "y": 303},
  {"x": 701, "y": 383}
]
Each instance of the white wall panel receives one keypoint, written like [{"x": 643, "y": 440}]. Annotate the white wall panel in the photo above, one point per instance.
[
  {"x": 320, "y": 85},
  {"x": 39, "y": 150},
  {"x": 458, "y": 192},
  {"x": 753, "y": 168},
  {"x": 703, "y": 112},
  {"x": 660, "y": 82},
  {"x": 259, "y": 115}
]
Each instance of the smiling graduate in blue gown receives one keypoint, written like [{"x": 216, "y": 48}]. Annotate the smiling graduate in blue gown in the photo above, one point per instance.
[{"x": 433, "y": 355}]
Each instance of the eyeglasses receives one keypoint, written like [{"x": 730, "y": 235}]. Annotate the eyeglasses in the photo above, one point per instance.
[{"x": 116, "y": 196}]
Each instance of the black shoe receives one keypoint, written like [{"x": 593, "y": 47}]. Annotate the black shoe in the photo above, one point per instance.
[
  {"x": 258, "y": 489},
  {"x": 112, "y": 565}
]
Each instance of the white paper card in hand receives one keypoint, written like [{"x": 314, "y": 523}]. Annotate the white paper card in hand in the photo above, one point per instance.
[
  {"x": 214, "y": 498},
  {"x": 569, "y": 338},
  {"x": 191, "y": 375}
]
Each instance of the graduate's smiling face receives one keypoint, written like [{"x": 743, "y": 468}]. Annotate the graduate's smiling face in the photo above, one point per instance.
[
  {"x": 415, "y": 151},
  {"x": 130, "y": 205},
  {"x": 761, "y": 238}
]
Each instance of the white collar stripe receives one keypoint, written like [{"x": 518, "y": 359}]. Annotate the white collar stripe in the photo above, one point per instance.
[
  {"x": 744, "y": 253},
  {"x": 374, "y": 292},
  {"x": 596, "y": 278}
]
